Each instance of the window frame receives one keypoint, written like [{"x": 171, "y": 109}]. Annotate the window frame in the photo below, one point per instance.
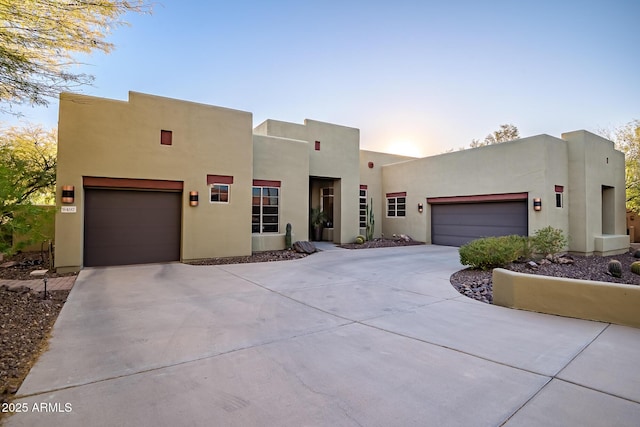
[
  {"x": 362, "y": 215},
  {"x": 395, "y": 202},
  {"x": 219, "y": 185},
  {"x": 261, "y": 206}
]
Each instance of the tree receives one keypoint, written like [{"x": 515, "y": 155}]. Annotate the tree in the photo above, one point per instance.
[
  {"x": 27, "y": 176},
  {"x": 507, "y": 132},
  {"x": 627, "y": 140},
  {"x": 39, "y": 37}
]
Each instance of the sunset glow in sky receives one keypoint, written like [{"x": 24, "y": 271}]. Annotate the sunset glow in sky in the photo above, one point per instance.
[{"x": 416, "y": 77}]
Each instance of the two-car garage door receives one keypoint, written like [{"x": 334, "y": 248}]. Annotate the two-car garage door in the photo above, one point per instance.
[
  {"x": 454, "y": 224},
  {"x": 131, "y": 226}
]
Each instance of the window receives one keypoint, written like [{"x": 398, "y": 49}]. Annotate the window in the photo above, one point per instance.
[
  {"x": 396, "y": 206},
  {"x": 219, "y": 193},
  {"x": 363, "y": 208},
  {"x": 265, "y": 210},
  {"x": 326, "y": 204},
  {"x": 559, "y": 191}
]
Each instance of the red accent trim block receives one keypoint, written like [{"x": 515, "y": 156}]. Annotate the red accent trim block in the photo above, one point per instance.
[
  {"x": 317, "y": 145},
  {"x": 265, "y": 183},
  {"x": 219, "y": 179},
  {"x": 479, "y": 198},
  {"x": 400, "y": 194},
  {"x": 363, "y": 187},
  {"x": 559, "y": 189},
  {"x": 142, "y": 184}
]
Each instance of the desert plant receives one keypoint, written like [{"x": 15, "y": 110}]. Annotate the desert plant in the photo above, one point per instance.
[
  {"x": 615, "y": 268},
  {"x": 360, "y": 239},
  {"x": 636, "y": 254},
  {"x": 317, "y": 219},
  {"x": 489, "y": 252},
  {"x": 635, "y": 267},
  {"x": 371, "y": 223},
  {"x": 287, "y": 237},
  {"x": 548, "y": 241}
]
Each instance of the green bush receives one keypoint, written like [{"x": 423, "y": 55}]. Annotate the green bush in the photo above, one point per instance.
[
  {"x": 548, "y": 241},
  {"x": 490, "y": 252}
]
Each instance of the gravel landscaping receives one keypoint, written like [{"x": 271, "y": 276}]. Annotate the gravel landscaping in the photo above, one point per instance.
[{"x": 477, "y": 284}]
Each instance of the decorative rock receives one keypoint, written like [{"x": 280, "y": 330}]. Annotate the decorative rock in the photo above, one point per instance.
[
  {"x": 304, "y": 247},
  {"x": 8, "y": 264},
  {"x": 38, "y": 273},
  {"x": 532, "y": 265}
]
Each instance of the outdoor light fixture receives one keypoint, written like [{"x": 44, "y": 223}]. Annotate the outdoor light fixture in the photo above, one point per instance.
[
  {"x": 370, "y": 164},
  {"x": 537, "y": 204},
  {"x": 193, "y": 198},
  {"x": 420, "y": 207},
  {"x": 68, "y": 193}
]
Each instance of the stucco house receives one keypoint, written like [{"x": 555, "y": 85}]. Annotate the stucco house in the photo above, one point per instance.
[{"x": 154, "y": 179}]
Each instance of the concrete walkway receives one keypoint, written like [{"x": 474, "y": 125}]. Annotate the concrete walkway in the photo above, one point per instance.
[{"x": 373, "y": 337}]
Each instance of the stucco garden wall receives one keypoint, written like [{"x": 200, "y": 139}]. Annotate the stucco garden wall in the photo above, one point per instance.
[{"x": 583, "y": 299}]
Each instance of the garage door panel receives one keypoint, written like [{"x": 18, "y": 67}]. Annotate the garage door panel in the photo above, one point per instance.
[
  {"x": 131, "y": 227},
  {"x": 457, "y": 224}
]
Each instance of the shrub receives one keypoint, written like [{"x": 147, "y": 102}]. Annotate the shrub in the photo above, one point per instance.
[
  {"x": 490, "y": 252},
  {"x": 635, "y": 267},
  {"x": 636, "y": 254},
  {"x": 360, "y": 239},
  {"x": 548, "y": 241}
]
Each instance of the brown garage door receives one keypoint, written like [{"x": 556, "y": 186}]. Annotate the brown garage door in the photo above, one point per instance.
[
  {"x": 131, "y": 227},
  {"x": 459, "y": 223}
]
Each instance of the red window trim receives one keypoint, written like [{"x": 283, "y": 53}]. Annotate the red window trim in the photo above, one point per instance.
[
  {"x": 265, "y": 183},
  {"x": 317, "y": 146},
  {"x": 400, "y": 194},
  {"x": 363, "y": 187},
  {"x": 479, "y": 198},
  {"x": 219, "y": 179}
]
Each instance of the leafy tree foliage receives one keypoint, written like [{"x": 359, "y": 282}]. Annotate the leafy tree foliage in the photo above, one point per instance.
[
  {"x": 27, "y": 177},
  {"x": 627, "y": 139},
  {"x": 39, "y": 37},
  {"x": 507, "y": 132}
]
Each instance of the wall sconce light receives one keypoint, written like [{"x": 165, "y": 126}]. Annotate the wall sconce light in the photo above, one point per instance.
[
  {"x": 193, "y": 198},
  {"x": 370, "y": 164},
  {"x": 420, "y": 207},
  {"x": 68, "y": 193},
  {"x": 537, "y": 204}
]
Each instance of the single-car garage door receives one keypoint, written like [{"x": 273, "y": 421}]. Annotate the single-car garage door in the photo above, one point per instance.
[
  {"x": 458, "y": 223},
  {"x": 131, "y": 227}
]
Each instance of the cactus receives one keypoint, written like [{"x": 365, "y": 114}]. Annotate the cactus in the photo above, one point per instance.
[
  {"x": 287, "y": 237},
  {"x": 615, "y": 268},
  {"x": 361, "y": 239},
  {"x": 636, "y": 254},
  {"x": 371, "y": 223},
  {"x": 635, "y": 267}
]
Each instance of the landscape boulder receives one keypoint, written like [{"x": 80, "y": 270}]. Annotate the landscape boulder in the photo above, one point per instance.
[{"x": 304, "y": 247}]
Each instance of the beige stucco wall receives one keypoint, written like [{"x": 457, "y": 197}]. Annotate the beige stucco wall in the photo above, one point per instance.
[
  {"x": 337, "y": 159},
  {"x": 119, "y": 139},
  {"x": 372, "y": 178},
  {"x": 533, "y": 165},
  {"x": 584, "y": 299},
  {"x": 287, "y": 161},
  {"x": 593, "y": 163}
]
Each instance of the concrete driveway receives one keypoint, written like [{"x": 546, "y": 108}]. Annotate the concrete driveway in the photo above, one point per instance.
[{"x": 342, "y": 338}]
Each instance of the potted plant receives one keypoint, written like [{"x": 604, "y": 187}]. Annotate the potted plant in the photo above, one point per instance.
[{"x": 317, "y": 219}]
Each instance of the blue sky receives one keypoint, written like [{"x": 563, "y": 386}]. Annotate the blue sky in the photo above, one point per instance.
[{"x": 417, "y": 77}]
